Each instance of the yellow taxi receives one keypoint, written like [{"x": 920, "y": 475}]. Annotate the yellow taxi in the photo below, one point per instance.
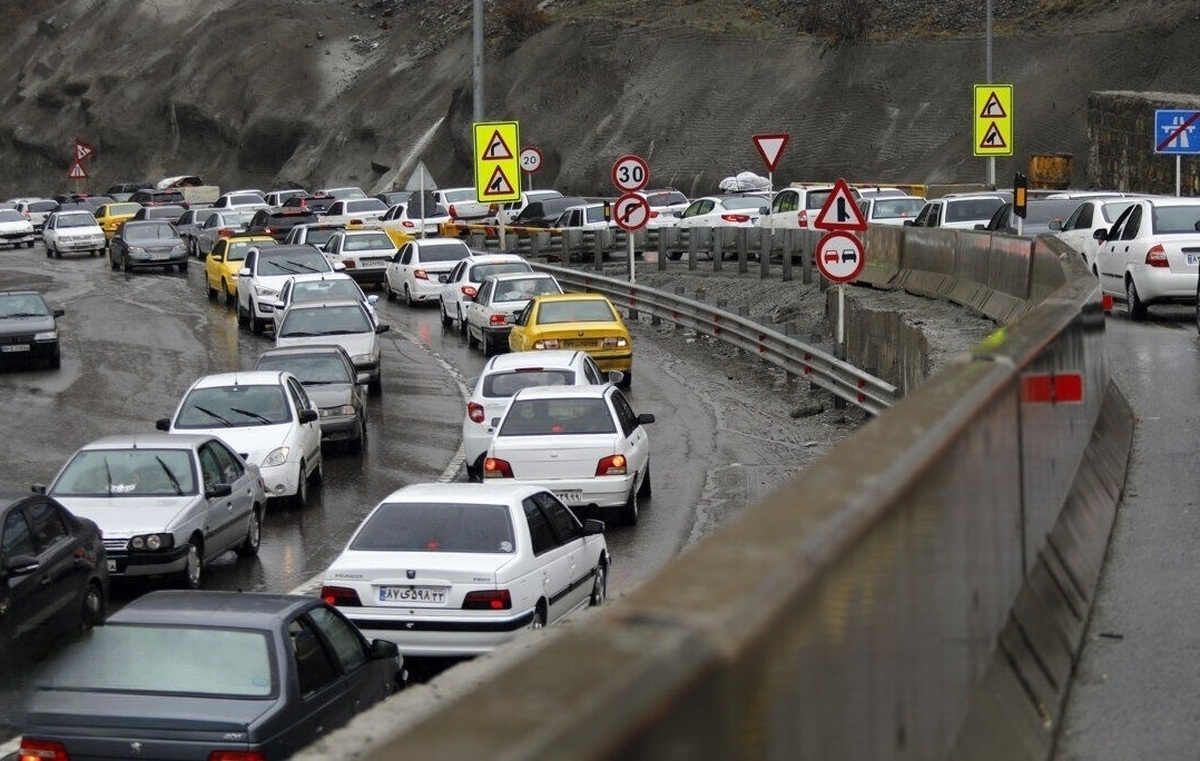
[
  {"x": 585, "y": 321},
  {"x": 223, "y": 262},
  {"x": 111, "y": 215}
]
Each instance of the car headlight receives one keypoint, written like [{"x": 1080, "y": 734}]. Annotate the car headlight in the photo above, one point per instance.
[
  {"x": 50, "y": 335},
  {"x": 137, "y": 250},
  {"x": 346, "y": 409},
  {"x": 277, "y": 457},
  {"x": 366, "y": 359},
  {"x": 265, "y": 290},
  {"x": 152, "y": 542}
]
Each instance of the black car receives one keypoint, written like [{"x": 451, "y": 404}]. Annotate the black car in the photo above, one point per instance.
[
  {"x": 1040, "y": 214},
  {"x": 317, "y": 204},
  {"x": 147, "y": 243},
  {"x": 339, "y": 391},
  {"x": 123, "y": 191},
  {"x": 200, "y": 675},
  {"x": 168, "y": 211},
  {"x": 53, "y": 579},
  {"x": 543, "y": 213},
  {"x": 278, "y": 222},
  {"x": 28, "y": 329},
  {"x": 159, "y": 196}
]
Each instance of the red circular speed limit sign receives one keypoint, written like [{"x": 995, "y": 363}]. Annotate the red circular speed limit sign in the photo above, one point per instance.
[
  {"x": 840, "y": 257},
  {"x": 630, "y": 173},
  {"x": 531, "y": 159},
  {"x": 631, "y": 212}
]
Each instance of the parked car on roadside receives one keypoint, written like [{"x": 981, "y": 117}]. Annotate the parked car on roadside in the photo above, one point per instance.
[
  {"x": 208, "y": 675},
  {"x": 147, "y": 243},
  {"x": 485, "y": 562},
  {"x": 28, "y": 329},
  {"x": 70, "y": 232},
  {"x": 1151, "y": 254},
  {"x": 333, "y": 384}
]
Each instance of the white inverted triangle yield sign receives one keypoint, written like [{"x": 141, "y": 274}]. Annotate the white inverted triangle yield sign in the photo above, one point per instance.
[
  {"x": 421, "y": 179},
  {"x": 840, "y": 211},
  {"x": 770, "y": 148}
]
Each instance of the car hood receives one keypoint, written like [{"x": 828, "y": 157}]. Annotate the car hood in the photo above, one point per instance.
[
  {"x": 254, "y": 442},
  {"x": 120, "y": 517},
  {"x": 330, "y": 395},
  {"x": 354, "y": 343},
  {"x": 9, "y": 227},
  {"x": 19, "y": 326}
]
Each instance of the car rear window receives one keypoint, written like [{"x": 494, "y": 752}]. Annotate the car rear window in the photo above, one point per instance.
[
  {"x": 525, "y": 288},
  {"x": 233, "y": 406},
  {"x": 673, "y": 198},
  {"x": 539, "y": 417},
  {"x": 368, "y": 242},
  {"x": 581, "y": 310},
  {"x": 166, "y": 660},
  {"x": 43, "y": 205},
  {"x": 436, "y": 527},
  {"x": 162, "y": 231},
  {"x": 310, "y": 369},
  {"x": 443, "y": 252},
  {"x": 325, "y": 321},
  {"x": 127, "y": 472},
  {"x": 963, "y": 210},
  {"x": 320, "y": 236},
  {"x": 504, "y": 384},
  {"x": 898, "y": 208},
  {"x": 480, "y": 271},
  {"x": 367, "y": 204},
  {"x": 326, "y": 290},
  {"x": 1169, "y": 220}
]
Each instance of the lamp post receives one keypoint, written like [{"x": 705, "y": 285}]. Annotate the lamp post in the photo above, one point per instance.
[
  {"x": 991, "y": 162},
  {"x": 477, "y": 59}
]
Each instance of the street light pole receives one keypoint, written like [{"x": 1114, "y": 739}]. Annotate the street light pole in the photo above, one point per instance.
[
  {"x": 991, "y": 162},
  {"x": 477, "y": 56}
]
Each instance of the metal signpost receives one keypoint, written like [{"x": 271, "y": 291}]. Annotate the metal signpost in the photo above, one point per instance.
[
  {"x": 531, "y": 161},
  {"x": 630, "y": 174},
  {"x": 419, "y": 182},
  {"x": 1175, "y": 134},
  {"x": 840, "y": 255},
  {"x": 993, "y": 117}
]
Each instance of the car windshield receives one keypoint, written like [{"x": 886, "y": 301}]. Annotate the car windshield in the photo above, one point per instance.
[
  {"x": 39, "y": 206},
  {"x": 11, "y": 215},
  {"x": 326, "y": 290},
  {"x": 538, "y": 417},
  {"x": 150, "y": 232},
  {"x": 964, "y": 210},
  {"x": 897, "y": 208},
  {"x": 127, "y": 473},
  {"x": 310, "y": 369},
  {"x": 480, "y": 271},
  {"x": 1172, "y": 220},
  {"x": 234, "y": 407},
  {"x": 420, "y": 527},
  {"x": 292, "y": 262},
  {"x": 236, "y": 252},
  {"x": 325, "y": 321},
  {"x": 76, "y": 220},
  {"x": 525, "y": 289},
  {"x": 505, "y": 384},
  {"x": 744, "y": 202},
  {"x": 1110, "y": 211},
  {"x": 368, "y": 242},
  {"x": 444, "y": 252},
  {"x": 166, "y": 660},
  {"x": 575, "y": 310},
  {"x": 22, "y": 305}
]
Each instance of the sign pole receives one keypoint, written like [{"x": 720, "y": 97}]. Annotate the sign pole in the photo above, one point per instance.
[
  {"x": 1178, "y": 173},
  {"x": 841, "y": 321},
  {"x": 629, "y": 251}
]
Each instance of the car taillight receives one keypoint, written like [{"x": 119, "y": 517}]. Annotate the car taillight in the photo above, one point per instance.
[
  {"x": 25, "y": 214},
  {"x": 224, "y": 232},
  {"x": 408, "y": 223},
  {"x": 237, "y": 755},
  {"x": 475, "y": 412},
  {"x": 498, "y": 319},
  {"x": 37, "y": 750},
  {"x": 341, "y": 596},
  {"x": 613, "y": 465},
  {"x": 546, "y": 343},
  {"x": 1157, "y": 256},
  {"x": 494, "y": 467},
  {"x": 350, "y": 264},
  {"x": 802, "y": 218},
  {"x": 420, "y": 274},
  {"x": 736, "y": 218},
  {"x": 453, "y": 212},
  {"x": 468, "y": 291},
  {"x": 653, "y": 214},
  {"x": 489, "y": 599},
  {"x": 269, "y": 231},
  {"x": 613, "y": 342}
]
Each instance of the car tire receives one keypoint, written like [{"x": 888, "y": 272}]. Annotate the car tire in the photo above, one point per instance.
[
  {"x": 230, "y": 296},
  {"x": 56, "y": 362},
  {"x": 256, "y": 325},
  {"x": 93, "y": 605},
  {"x": 249, "y": 547},
  {"x": 472, "y": 342},
  {"x": 599, "y": 585},
  {"x": 212, "y": 292},
  {"x": 408, "y": 299},
  {"x": 462, "y": 324},
  {"x": 126, "y": 265},
  {"x": 630, "y": 510},
  {"x": 1137, "y": 307},
  {"x": 317, "y": 477},
  {"x": 646, "y": 490},
  {"x": 627, "y": 381},
  {"x": 375, "y": 385},
  {"x": 241, "y": 316},
  {"x": 112, "y": 262},
  {"x": 193, "y": 569},
  {"x": 539, "y": 616},
  {"x": 447, "y": 320},
  {"x": 475, "y": 470},
  {"x": 300, "y": 498},
  {"x": 28, "y": 244},
  {"x": 357, "y": 443},
  {"x": 387, "y": 290}
]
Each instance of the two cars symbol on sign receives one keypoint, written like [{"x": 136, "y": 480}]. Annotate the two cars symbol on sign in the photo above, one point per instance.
[
  {"x": 631, "y": 212},
  {"x": 840, "y": 257}
]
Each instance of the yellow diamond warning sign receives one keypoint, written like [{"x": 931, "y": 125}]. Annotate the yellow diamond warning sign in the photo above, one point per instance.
[
  {"x": 497, "y": 165},
  {"x": 993, "y": 117}
]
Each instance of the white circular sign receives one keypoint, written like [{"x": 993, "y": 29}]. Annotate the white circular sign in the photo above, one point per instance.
[
  {"x": 630, "y": 173},
  {"x": 631, "y": 212},
  {"x": 840, "y": 257},
  {"x": 531, "y": 159}
]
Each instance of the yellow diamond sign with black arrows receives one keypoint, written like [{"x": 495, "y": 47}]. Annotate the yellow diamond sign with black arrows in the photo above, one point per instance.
[
  {"x": 993, "y": 120},
  {"x": 497, "y": 162}
]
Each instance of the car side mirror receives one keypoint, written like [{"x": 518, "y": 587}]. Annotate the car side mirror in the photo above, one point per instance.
[
  {"x": 1055, "y": 224},
  {"x": 980, "y": 226},
  {"x": 20, "y": 565},
  {"x": 163, "y": 424},
  {"x": 309, "y": 416},
  {"x": 362, "y": 379},
  {"x": 218, "y": 491},
  {"x": 1100, "y": 235},
  {"x": 59, "y": 311},
  {"x": 382, "y": 327},
  {"x": 444, "y": 278},
  {"x": 384, "y": 649},
  {"x": 908, "y": 223},
  {"x": 373, "y": 299},
  {"x": 339, "y": 266},
  {"x": 38, "y": 488},
  {"x": 243, "y": 272},
  {"x": 592, "y": 526},
  {"x": 645, "y": 418},
  {"x": 277, "y": 305},
  {"x": 615, "y": 377}
]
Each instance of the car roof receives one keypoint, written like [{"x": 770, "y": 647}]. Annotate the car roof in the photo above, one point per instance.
[
  {"x": 520, "y": 276},
  {"x": 248, "y": 239},
  {"x": 478, "y": 258},
  {"x": 321, "y": 303},
  {"x": 212, "y": 608},
  {"x": 458, "y": 492},
  {"x": 435, "y": 240},
  {"x": 147, "y": 440},
  {"x": 571, "y": 297},
  {"x": 240, "y": 378},
  {"x": 363, "y": 231},
  {"x": 276, "y": 351},
  {"x": 562, "y": 392},
  {"x": 542, "y": 358}
]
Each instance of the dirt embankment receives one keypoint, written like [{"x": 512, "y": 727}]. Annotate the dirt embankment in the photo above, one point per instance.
[{"x": 325, "y": 91}]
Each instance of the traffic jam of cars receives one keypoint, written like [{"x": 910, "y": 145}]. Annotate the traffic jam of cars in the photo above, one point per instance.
[{"x": 555, "y": 452}]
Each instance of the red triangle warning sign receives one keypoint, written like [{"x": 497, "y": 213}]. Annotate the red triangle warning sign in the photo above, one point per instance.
[
  {"x": 840, "y": 211},
  {"x": 77, "y": 172},
  {"x": 497, "y": 149},
  {"x": 498, "y": 185},
  {"x": 993, "y": 108},
  {"x": 992, "y": 138}
]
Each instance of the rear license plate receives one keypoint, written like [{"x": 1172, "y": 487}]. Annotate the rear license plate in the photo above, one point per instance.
[
  {"x": 156, "y": 257},
  {"x": 574, "y": 496},
  {"x": 15, "y": 347},
  {"x": 375, "y": 262},
  {"x": 1191, "y": 260},
  {"x": 579, "y": 343},
  {"x": 413, "y": 595}
]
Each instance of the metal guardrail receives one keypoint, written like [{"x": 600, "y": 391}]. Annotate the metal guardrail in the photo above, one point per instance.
[{"x": 796, "y": 357}]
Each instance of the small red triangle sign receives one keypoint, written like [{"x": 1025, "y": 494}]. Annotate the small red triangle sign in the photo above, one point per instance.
[
  {"x": 498, "y": 185},
  {"x": 840, "y": 211},
  {"x": 497, "y": 149},
  {"x": 76, "y": 172}
]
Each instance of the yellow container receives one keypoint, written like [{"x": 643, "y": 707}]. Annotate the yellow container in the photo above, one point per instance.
[{"x": 1050, "y": 171}]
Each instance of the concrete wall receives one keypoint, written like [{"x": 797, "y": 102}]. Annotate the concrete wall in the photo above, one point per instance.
[{"x": 1121, "y": 143}]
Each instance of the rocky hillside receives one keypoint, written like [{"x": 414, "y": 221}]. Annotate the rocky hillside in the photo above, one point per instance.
[{"x": 274, "y": 92}]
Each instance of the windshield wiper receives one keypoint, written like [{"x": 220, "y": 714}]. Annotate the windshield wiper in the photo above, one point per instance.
[
  {"x": 302, "y": 265},
  {"x": 255, "y": 415},
  {"x": 170, "y": 475},
  {"x": 298, "y": 334},
  {"x": 25, "y": 314},
  {"x": 214, "y": 416}
]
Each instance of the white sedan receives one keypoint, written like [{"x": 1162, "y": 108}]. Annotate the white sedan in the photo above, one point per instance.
[
  {"x": 15, "y": 229},
  {"x": 723, "y": 211},
  {"x": 266, "y": 269},
  {"x": 267, "y": 417},
  {"x": 458, "y": 569},
  {"x": 1091, "y": 216},
  {"x": 71, "y": 231},
  {"x": 1152, "y": 254},
  {"x": 406, "y": 217},
  {"x": 413, "y": 272},
  {"x": 491, "y": 314},
  {"x": 462, "y": 283},
  {"x": 585, "y": 443}
]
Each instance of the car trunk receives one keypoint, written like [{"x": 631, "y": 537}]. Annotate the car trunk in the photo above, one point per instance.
[{"x": 554, "y": 456}]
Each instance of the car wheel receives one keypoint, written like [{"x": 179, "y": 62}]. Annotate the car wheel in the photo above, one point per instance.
[
  {"x": 447, "y": 321},
  {"x": 472, "y": 342},
  {"x": 241, "y": 315},
  {"x": 126, "y": 264},
  {"x": 627, "y": 381},
  {"x": 375, "y": 385},
  {"x": 256, "y": 325},
  {"x": 387, "y": 290},
  {"x": 629, "y": 511},
  {"x": 111, "y": 261},
  {"x": 599, "y": 584},
  {"x": 408, "y": 299},
  {"x": 300, "y": 499},
  {"x": 92, "y": 614},
  {"x": 462, "y": 324},
  {"x": 230, "y": 296},
  {"x": 539, "y": 617},
  {"x": 193, "y": 568},
  {"x": 1137, "y": 307},
  {"x": 356, "y": 444},
  {"x": 55, "y": 362},
  {"x": 28, "y": 244},
  {"x": 317, "y": 477},
  {"x": 249, "y": 547},
  {"x": 212, "y": 292},
  {"x": 646, "y": 490},
  {"x": 475, "y": 470}
]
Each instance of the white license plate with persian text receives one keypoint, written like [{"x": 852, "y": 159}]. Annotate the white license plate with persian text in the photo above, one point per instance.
[
  {"x": 15, "y": 347},
  {"x": 414, "y": 595},
  {"x": 574, "y": 496}
]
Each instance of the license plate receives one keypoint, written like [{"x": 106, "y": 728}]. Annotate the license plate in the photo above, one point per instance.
[
  {"x": 413, "y": 595},
  {"x": 157, "y": 257},
  {"x": 375, "y": 262},
  {"x": 579, "y": 343},
  {"x": 15, "y": 347},
  {"x": 1191, "y": 259},
  {"x": 574, "y": 496},
  {"x": 112, "y": 566}
]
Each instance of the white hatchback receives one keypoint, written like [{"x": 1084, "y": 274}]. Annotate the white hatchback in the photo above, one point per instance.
[
  {"x": 459, "y": 569},
  {"x": 266, "y": 417},
  {"x": 584, "y": 443},
  {"x": 266, "y": 270},
  {"x": 491, "y": 314}
]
